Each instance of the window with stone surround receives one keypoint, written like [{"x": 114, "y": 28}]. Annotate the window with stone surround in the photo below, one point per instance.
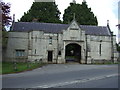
[{"x": 20, "y": 53}]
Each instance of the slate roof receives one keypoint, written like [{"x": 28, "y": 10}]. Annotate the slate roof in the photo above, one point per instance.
[{"x": 57, "y": 28}]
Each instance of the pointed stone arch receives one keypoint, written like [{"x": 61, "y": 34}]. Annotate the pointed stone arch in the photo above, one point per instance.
[{"x": 73, "y": 52}]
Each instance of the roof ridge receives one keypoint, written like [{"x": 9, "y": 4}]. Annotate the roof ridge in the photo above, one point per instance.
[
  {"x": 93, "y": 26},
  {"x": 43, "y": 23},
  {"x": 60, "y": 24}
]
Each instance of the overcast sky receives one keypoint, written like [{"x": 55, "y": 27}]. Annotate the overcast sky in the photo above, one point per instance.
[{"x": 103, "y": 9}]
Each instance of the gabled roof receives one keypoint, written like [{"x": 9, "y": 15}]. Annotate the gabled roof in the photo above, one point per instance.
[
  {"x": 96, "y": 30},
  {"x": 57, "y": 28},
  {"x": 46, "y": 27},
  {"x": 74, "y": 24}
]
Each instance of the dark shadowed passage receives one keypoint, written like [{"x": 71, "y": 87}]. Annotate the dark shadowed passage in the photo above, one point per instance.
[{"x": 73, "y": 53}]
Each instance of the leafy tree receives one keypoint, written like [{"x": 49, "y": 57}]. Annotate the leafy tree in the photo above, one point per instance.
[
  {"x": 6, "y": 21},
  {"x": 42, "y": 12},
  {"x": 6, "y": 18},
  {"x": 83, "y": 14}
]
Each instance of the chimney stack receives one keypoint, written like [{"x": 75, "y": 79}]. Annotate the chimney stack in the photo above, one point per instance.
[
  {"x": 13, "y": 17},
  {"x": 108, "y": 22}
]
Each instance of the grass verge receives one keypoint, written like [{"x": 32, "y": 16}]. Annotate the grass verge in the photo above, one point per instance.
[
  {"x": 0, "y": 67},
  {"x": 9, "y": 67}
]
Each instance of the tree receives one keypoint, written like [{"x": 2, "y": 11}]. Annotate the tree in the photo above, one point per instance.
[
  {"x": 83, "y": 14},
  {"x": 42, "y": 12},
  {"x": 6, "y": 21},
  {"x": 6, "y": 18}
]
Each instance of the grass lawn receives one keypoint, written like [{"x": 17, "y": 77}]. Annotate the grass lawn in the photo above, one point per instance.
[
  {"x": 8, "y": 67},
  {"x": 0, "y": 67}
]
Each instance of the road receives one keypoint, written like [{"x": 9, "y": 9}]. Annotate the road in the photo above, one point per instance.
[{"x": 65, "y": 76}]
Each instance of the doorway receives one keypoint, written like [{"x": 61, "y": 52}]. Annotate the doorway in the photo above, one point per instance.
[{"x": 50, "y": 56}]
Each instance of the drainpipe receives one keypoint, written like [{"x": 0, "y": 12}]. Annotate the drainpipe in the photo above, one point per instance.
[{"x": 86, "y": 49}]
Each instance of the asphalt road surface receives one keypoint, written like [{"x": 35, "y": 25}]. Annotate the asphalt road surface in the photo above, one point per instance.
[{"x": 65, "y": 76}]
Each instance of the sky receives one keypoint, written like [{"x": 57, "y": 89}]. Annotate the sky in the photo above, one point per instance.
[
  {"x": 119, "y": 21},
  {"x": 103, "y": 9},
  {"x": 119, "y": 13}
]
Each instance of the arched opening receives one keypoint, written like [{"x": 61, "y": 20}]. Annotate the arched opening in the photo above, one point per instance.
[{"x": 73, "y": 53}]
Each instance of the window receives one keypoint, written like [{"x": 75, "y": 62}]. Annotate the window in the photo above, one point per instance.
[
  {"x": 74, "y": 29},
  {"x": 100, "y": 49},
  {"x": 35, "y": 51},
  {"x": 59, "y": 53},
  {"x": 50, "y": 40},
  {"x": 36, "y": 39},
  {"x": 20, "y": 53}
]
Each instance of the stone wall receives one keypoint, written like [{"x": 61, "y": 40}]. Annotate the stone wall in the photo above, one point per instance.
[
  {"x": 100, "y": 47},
  {"x": 40, "y": 45},
  {"x": 16, "y": 41}
]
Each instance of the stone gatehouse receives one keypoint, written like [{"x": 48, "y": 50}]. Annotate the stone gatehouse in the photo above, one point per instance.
[{"x": 61, "y": 43}]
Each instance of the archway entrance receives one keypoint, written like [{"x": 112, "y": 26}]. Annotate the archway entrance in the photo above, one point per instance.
[{"x": 73, "y": 53}]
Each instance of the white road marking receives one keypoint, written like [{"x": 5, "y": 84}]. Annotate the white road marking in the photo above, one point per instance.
[{"x": 76, "y": 81}]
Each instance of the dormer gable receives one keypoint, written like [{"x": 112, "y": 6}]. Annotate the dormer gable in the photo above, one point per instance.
[{"x": 73, "y": 25}]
